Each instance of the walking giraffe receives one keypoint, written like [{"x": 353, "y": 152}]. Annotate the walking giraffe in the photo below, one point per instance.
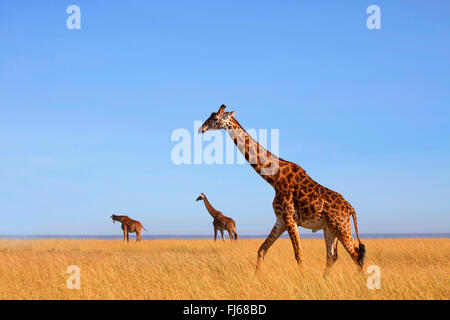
[
  {"x": 220, "y": 221},
  {"x": 299, "y": 200}
]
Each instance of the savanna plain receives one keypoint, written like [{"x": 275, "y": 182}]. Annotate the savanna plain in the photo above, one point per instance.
[{"x": 202, "y": 269}]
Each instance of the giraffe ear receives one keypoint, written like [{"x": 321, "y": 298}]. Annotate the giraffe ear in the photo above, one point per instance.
[
  {"x": 221, "y": 109},
  {"x": 232, "y": 114}
]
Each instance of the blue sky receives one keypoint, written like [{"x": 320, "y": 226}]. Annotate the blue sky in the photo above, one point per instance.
[{"x": 86, "y": 115}]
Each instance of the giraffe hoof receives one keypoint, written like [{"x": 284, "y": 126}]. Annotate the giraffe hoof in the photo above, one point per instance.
[
  {"x": 258, "y": 268},
  {"x": 302, "y": 272}
]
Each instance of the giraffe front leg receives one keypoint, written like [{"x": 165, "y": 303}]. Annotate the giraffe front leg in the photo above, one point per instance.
[
  {"x": 215, "y": 234},
  {"x": 276, "y": 232},
  {"x": 285, "y": 205},
  {"x": 223, "y": 237},
  {"x": 292, "y": 229}
]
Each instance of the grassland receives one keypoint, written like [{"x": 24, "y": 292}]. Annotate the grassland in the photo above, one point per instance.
[{"x": 202, "y": 269}]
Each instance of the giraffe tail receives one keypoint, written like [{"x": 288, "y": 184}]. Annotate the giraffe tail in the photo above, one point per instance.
[
  {"x": 362, "y": 247},
  {"x": 143, "y": 227}
]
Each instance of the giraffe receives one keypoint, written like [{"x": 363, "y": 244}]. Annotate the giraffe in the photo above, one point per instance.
[
  {"x": 220, "y": 222},
  {"x": 299, "y": 200},
  {"x": 129, "y": 226}
]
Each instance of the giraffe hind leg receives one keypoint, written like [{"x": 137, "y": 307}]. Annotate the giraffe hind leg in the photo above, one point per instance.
[
  {"x": 331, "y": 242},
  {"x": 230, "y": 234},
  {"x": 344, "y": 235}
]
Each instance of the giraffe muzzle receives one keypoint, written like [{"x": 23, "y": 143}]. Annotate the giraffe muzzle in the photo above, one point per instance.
[{"x": 201, "y": 130}]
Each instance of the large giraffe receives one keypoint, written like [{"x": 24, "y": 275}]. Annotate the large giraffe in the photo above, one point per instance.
[
  {"x": 299, "y": 200},
  {"x": 220, "y": 222}
]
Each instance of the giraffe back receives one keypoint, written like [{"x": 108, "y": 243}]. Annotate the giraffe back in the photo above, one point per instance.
[{"x": 128, "y": 224}]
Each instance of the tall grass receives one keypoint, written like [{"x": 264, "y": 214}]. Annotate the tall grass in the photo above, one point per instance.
[{"x": 202, "y": 269}]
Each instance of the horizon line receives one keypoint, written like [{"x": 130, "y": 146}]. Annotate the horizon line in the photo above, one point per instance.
[{"x": 204, "y": 236}]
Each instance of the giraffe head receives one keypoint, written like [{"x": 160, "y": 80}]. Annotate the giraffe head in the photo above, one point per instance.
[
  {"x": 200, "y": 197},
  {"x": 218, "y": 120},
  {"x": 114, "y": 218}
]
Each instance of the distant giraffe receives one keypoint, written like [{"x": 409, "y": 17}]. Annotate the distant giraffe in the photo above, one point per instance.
[
  {"x": 129, "y": 226},
  {"x": 220, "y": 222},
  {"x": 299, "y": 200}
]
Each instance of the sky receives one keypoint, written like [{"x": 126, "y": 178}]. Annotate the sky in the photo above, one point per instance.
[{"x": 87, "y": 115}]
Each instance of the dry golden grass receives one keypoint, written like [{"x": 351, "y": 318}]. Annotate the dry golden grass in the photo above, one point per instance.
[{"x": 202, "y": 269}]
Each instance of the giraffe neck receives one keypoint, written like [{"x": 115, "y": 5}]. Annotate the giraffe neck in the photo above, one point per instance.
[
  {"x": 213, "y": 212},
  {"x": 262, "y": 161}
]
